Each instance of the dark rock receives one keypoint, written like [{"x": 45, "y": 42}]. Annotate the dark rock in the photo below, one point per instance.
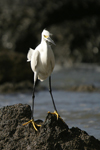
[
  {"x": 15, "y": 72},
  {"x": 53, "y": 134},
  {"x": 84, "y": 88},
  {"x": 14, "y": 67}
]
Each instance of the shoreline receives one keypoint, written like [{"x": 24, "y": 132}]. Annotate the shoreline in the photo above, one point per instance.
[
  {"x": 26, "y": 87},
  {"x": 78, "y": 77}
]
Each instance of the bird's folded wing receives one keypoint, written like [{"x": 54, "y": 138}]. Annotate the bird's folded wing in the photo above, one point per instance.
[
  {"x": 29, "y": 54},
  {"x": 35, "y": 60}
]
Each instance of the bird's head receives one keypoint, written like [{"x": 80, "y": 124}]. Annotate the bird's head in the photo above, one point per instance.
[{"x": 46, "y": 36}]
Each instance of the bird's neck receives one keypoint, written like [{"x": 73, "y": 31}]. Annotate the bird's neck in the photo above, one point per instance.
[
  {"x": 46, "y": 52},
  {"x": 45, "y": 46}
]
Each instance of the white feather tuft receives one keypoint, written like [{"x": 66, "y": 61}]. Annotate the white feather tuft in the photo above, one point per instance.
[{"x": 29, "y": 54}]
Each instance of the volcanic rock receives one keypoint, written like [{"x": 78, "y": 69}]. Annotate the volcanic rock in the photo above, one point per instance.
[{"x": 52, "y": 135}]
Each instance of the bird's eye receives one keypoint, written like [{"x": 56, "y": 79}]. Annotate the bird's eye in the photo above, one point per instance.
[{"x": 46, "y": 36}]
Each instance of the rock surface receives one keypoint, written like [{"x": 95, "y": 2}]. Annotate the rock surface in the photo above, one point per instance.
[
  {"x": 84, "y": 88},
  {"x": 52, "y": 135}
]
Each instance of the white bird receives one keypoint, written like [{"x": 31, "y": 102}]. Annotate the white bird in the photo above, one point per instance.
[{"x": 42, "y": 64}]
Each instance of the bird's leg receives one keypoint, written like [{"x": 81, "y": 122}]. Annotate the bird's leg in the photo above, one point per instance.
[
  {"x": 33, "y": 97},
  {"x": 32, "y": 118},
  {"x": 50, "y": 90}
]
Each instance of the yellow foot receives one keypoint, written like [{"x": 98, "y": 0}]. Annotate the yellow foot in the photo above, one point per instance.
[
  {"x": 33, "y": 123},
  {"x": 55, "y": 113}
]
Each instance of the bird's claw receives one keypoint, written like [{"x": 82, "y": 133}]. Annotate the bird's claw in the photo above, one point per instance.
[
  {"x": 56, "y": 113},
  {"x": 33, "y": 123}
]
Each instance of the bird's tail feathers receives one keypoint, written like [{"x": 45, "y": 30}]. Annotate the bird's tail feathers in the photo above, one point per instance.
[{"x": 29, "y": 54}]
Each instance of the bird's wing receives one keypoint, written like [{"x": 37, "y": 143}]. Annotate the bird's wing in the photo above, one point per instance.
[
  {"x": 29, "y": 54},
  {"x": 35, "y": 60}
]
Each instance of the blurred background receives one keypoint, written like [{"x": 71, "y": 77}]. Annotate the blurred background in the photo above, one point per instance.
[{"x": 75, "y": 25}]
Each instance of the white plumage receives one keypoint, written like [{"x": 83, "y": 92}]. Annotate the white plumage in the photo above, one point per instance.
[{"x": 42, "y": 58}]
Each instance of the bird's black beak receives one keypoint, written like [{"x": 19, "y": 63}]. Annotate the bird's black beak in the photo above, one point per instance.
[{"x": 50, "y": 40}]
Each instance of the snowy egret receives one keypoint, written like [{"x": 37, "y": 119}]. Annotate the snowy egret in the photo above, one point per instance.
[{"x": 42, "y": 64}]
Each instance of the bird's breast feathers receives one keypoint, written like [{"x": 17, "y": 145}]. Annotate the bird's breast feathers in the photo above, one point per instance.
[{"x": 43, "y": 62}]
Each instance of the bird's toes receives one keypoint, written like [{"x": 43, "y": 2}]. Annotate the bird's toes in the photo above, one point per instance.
[
  {"x": 54, "y": 113},
  {"x": 33, "y": 123}
]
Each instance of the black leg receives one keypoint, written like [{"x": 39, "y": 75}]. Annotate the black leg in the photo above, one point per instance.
[
  {"x": 50, "y": 90},
  {"x": 33, "y": 96},
  {"x": 32, "y": 117}
]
